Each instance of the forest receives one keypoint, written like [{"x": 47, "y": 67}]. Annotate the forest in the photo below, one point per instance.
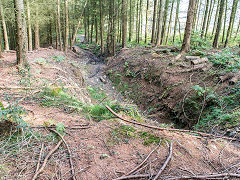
[{"x": 119, "y": 89}]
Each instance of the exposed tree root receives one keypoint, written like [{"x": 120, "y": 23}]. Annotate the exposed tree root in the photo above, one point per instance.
[{"x": 166, "y": 129}]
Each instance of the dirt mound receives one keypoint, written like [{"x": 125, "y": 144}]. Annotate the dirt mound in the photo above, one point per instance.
[{"x": 160, "y": 84}]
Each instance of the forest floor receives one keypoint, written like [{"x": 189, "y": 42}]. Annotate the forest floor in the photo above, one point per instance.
[{"x": 100, "y": 148}]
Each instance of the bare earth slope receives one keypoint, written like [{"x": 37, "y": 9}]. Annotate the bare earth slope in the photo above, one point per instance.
[{"x": 107, "y": 149}]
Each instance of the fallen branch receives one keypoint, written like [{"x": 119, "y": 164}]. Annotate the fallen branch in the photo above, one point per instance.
[
  {"x": 39, "y": 159},
  {"x": 235, "y": 79},
  {"x": 136, "y": 168},
  {"x": 165, "y": 163},
  {"x": 32, "y": 88},
  {"x": 69, "y": 153},
  {"x": 208, "y": 176},
  {"x": 199, "y": 61},
  {"x": 166, "y": 129},
  {"x": 46, "y": 159}
]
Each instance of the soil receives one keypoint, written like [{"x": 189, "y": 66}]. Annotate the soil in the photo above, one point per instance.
[
  {"x": 159, "y": 84},
  {"x": 95, "y": 151}
]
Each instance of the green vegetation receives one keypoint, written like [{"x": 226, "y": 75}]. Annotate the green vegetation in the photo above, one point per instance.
[{"x": 124, "y": 133}]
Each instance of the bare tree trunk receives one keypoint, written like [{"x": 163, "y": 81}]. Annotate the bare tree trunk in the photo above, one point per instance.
[
  {"x": 78, "y": 25},
  {"x": 231, "y": 22},
  {"x": 164, "y": 21},
  {"x": 59, "y": 25},
  {"x": 198, "y": 16},
  {"x": 124, "y": 23},
  {"x": 209, "y": 17},
  {"x": 137, "y": 22},
  {"x": 224, "y": 24},
  {"x": 205, "y": 18},
  {"x": 130, "y": 20},
  {"x": 146, "y": 25},
  {"x": 1, "y": 46},
  {"x": 66, "y": 27},
  {"x": 216, "y": 17},
  {"x": 21, "y": 32},
  {"x": 101, "y": 26},
  {"x": 29, "y": 27},
  {"x": 154, "y": 21},
  {"x": 158, "y": 41},
  {"x": 188, "y": 28},
  {"x": 237, "y": 30},
  {"x": 170, "y": 22},
  {"x": 5, "y": 34},
  {"x": 176, "y": 20},
  {"x": 219, "y": 24},
  {"x": 37, "y": 41}
]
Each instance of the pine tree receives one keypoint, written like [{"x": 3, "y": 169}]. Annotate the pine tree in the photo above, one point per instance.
[{"x": 188, "y": 28}]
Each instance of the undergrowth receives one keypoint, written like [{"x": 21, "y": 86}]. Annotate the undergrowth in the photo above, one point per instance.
[{"x": 125, "y": 133}]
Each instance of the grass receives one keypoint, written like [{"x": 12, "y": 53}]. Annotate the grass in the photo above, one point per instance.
[{"x": 125, "y": 133}]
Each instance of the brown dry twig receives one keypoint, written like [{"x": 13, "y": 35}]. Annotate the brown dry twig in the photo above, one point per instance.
[
  {"x": 69, "y": 152},
  {"x": 165, "y": 163},
  {"x": 46, "y": 159},
  {"x": 166, "y": 129},
  {"x": 39, "y": 159},
  {"x": 136, "y": 168}
]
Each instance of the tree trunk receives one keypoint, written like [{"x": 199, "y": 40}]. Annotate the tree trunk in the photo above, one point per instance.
[
  {"x": 146, "y": 25},
  {"x": 209, "y": 17},
  {"x": 66, "y": 27},
  {"x": 101, "y": 26},
  {"x": 1, "y": 46},
  {"x": 231, "y": 22},
  {"x": 216, "y": 17},
  {"x": 154, "y": 21},
  {"x": 176, "y": 20},
  {"x": 219, "y": 24},
  {"x": 124, "y": 23},
  {"x": 164, "y": 21},
  {"x": 59, "y": 25},
  {"x": 205, "y": 19},
  {"x": 130, "y": 20},
  {"x": 37, "y": 41},
  {"x": 198, "y": 16},
  {"x": 237, "y": 30},
  {"x": 170, "y": 22},
  {"x": 29, "y": 27},
  {"x": 5, "y": 34},
  {"x": 188, "y": 28},
  {"x": 78, "y": 25},
  {"x": 224, "y": 24},
  {"x": 21, "y": 32},
  {"x": 195, "y": 15},
  {"x": 158, "y": 41},
  {"x": 137, "y": 22}
]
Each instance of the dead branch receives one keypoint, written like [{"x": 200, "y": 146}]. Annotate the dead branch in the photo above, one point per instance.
[
  {"x": 32, "y": 88},
  {"x": 138, "y": 176},
  {"x": 226, "y": 77},
  {"x": 235, "y": 79},
  {"x": 208, "y": 176},
  {"x": 165, "y": 163},
  {"x": 69, "y": 153},
  {"x": 39, "y": 159},
  {"x": 136, "y": 168},
  {"x": 46, "y": 159},
  {"x": 166, "y": 129},
  {"x": 199, "y": 61}
]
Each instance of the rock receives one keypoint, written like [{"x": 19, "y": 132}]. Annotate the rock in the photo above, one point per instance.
[
  {"x": 104, "y": 156},
  {"x": 102, "y": 79},
  {"x": 50, "y": 47}
]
